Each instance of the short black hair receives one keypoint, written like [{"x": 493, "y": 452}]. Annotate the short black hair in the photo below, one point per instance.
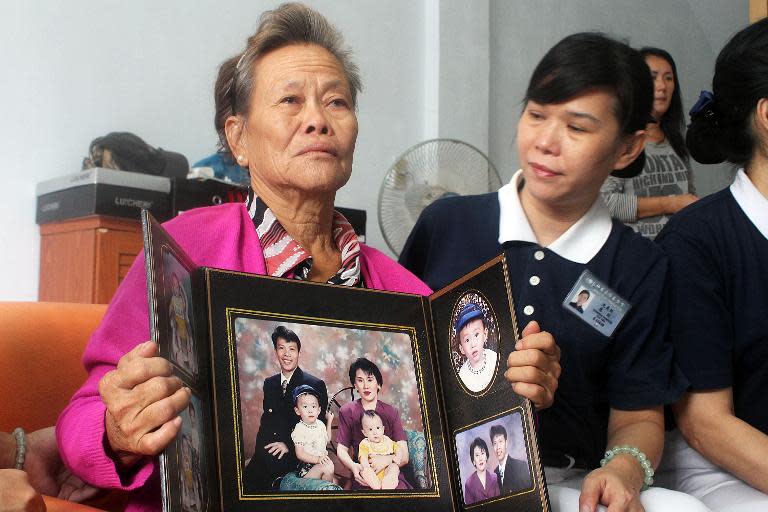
[
  {"x": 288, "y": 335},
  {"x": 368, "y": 368},
  {"x": 591, "y": 61},
  {"x": 478, "y": 442},
  {"x": 498, "y": 430},
  {"x": 585, "y": 291}
]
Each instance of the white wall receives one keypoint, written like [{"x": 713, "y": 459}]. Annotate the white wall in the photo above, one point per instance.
[
  {"x": 77, "y": 69},
  {"x": 74, "y": 70}
]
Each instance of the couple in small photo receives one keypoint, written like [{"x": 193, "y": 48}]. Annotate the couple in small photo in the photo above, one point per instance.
[{"x": 509, "y": 475}]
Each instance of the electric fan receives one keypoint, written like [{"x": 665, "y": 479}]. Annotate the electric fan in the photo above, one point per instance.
[{"x": 425, "y": 173}]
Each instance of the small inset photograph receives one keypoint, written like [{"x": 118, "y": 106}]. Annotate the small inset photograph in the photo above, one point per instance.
[
  {"x": 178, "y": 288},
  {"x": 191, "y": 458},
  {"x": 474, "y": 341},
  {"x": 493, "y": 459},
  {"x": 581, "y": 300},
  {"x": 596, "y": 304}
]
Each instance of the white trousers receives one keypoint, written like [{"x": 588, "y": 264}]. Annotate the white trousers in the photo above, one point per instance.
[
  {"x": 564, "y": 487},
  {"x": 686, "y": 470}
]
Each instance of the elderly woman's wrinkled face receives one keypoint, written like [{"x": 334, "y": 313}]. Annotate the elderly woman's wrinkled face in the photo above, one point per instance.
[{"x": 301, "y": 129}]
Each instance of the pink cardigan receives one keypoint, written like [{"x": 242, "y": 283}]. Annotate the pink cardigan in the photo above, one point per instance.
[{"x": 222, "y": 237}]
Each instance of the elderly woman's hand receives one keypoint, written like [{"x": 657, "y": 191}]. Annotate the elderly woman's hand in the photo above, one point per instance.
[
  {"x": 47, "y": 472},
  {"x": 143, "y": 402},
  {"x": 16, "y": 493},
  {"x": 534, "y": 367}
]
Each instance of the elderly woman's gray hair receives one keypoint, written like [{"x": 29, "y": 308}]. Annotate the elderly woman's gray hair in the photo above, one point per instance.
[{"x": 290, "y": 23}]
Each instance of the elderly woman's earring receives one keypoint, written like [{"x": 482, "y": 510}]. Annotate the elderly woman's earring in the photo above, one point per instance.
[{"x": 240, "y": 158}]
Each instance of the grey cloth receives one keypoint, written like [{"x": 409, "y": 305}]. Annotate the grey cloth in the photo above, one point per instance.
[{"x": 664, "y": 174}]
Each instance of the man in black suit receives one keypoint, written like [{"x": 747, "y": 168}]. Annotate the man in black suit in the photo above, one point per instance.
[
  {"x": 513, "y": 474},
  {"x": 275, "y": 453}
]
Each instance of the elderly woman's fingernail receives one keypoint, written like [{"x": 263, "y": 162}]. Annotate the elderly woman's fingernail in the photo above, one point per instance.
[{"x": 518, "y": 345}]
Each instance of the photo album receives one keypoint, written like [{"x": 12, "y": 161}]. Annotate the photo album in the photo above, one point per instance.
[{"x": 314, "y": 396}]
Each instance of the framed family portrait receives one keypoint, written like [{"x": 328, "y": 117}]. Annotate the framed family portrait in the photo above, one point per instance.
[{"x": 342, "y": 396}]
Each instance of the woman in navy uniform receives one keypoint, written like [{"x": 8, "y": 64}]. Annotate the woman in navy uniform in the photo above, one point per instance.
[
  {"x": 586, "y": 108},
  {"x": 718, "y": 251}
]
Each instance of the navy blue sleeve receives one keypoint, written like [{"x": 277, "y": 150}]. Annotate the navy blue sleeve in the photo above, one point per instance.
[
  {"x": 701, "y": 330},
  {"x": 452, "y": 236},
  {"x": 642, "y": 372},
  {"x": 416, "y": 250}
]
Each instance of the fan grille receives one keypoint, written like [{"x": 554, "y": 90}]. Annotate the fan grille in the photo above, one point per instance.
[{"x": 424, "y": 173}]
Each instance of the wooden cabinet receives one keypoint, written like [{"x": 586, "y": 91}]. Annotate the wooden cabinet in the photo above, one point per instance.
[
  {"x": 758, "y": 9},
  {"x": 85, "y": 259}
]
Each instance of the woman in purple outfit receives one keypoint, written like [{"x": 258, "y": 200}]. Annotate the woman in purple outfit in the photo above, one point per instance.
[
  {"x": 365, "y": 376},
  {"x": 482, "y": 484}
]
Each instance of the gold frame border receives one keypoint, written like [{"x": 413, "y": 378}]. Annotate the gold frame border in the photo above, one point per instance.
[{"x": 231, "y": 350}]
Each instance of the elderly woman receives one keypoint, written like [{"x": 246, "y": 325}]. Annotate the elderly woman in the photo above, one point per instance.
[{"x": 286, "y": 110}]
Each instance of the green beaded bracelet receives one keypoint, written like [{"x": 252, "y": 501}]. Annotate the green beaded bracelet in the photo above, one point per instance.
[{"x": 636, "y": 453}]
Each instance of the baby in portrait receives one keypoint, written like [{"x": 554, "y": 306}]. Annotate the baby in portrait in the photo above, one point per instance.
[{"x": 376, "y": 442}]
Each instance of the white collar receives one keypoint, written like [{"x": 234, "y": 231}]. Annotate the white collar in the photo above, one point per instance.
[
  {"x": 751, "y": 201},
  {"x": 284, "y": 377},
  {"x": 580, "y": 243}
]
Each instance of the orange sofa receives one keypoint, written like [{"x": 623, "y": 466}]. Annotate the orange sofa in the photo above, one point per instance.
[{"x": 41, "y": 345}]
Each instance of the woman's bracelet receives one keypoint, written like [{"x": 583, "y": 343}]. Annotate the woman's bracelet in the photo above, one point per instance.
[
  {"x": 21, "y": 447},
  {"x": 637, "y": 454}
]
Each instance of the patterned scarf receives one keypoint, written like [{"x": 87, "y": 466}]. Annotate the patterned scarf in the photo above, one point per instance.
[{"x": 286, "y": 258}]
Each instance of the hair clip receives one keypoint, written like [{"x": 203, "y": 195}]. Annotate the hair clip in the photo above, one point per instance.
[{"x": 704, "y": 108}]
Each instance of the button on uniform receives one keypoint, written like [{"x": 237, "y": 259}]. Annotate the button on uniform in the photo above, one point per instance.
[
  {"x": 539, "y": 255},
  {"x": 528, "y": 310},
  {"x": 534, "y": 280}
]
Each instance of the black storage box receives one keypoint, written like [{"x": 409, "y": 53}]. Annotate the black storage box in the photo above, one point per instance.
[
  {"x": 188, "y": 194},
  {"x": 100, "y": 191}
]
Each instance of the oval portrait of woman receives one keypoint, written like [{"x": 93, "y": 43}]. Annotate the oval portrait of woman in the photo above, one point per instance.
[{"x": 474, "y": 341}]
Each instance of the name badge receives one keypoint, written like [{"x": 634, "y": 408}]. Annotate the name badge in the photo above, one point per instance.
[{"x": 595, "y": 303}]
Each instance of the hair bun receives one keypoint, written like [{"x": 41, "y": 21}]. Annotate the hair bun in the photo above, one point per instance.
[
  {"x": 703, "y": 136},
  {"x": 703, "y": 143}
]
